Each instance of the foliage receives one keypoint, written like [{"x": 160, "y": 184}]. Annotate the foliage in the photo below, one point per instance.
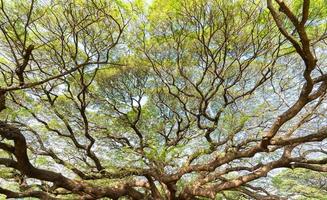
[{"x": 200, "y": 99}]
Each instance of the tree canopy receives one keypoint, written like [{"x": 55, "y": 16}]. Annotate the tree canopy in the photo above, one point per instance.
[{"x": 163, "y": 99}]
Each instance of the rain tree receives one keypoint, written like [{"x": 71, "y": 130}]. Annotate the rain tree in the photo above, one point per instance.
[{"x": 163, "y": 100}]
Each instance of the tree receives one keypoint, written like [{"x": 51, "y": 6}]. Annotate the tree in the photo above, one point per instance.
[{"x": 172, "y": 100}]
